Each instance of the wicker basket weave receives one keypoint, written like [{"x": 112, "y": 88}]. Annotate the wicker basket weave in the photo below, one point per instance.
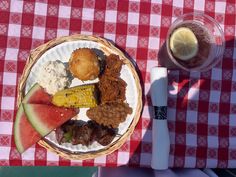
[{"x": 107, "y": 48}]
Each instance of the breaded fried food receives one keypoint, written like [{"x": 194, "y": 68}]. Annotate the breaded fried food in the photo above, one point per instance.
[
  {"x": 113, "y": 65},
  {"x": 109, "y": 114},
  {"x": 111, "y": 89},
  {"x": 84, "y": 64}
]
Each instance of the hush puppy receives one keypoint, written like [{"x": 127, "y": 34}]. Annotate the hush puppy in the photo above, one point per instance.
[{"x": 84, "y": 64}]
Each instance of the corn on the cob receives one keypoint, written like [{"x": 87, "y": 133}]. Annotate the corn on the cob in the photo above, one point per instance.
[{"x": 76, "y": 97}]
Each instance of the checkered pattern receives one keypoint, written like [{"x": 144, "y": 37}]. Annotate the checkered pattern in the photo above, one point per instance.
[{"x": 201, "y": 106}]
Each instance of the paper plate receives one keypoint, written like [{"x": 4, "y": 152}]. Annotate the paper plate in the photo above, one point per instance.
[{"x": 61, "y": 49}]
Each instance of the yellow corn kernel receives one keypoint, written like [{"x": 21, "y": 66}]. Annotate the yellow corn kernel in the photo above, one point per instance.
[{"x": 76, "y": 97}]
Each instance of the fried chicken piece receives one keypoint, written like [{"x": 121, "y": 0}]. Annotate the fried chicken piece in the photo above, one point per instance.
[
  {"x": 113, "y": 65},
  {"x": 110, "y": 114},
  {"x": 112, "y": 110},
  {"x": 111, "y": 89}
]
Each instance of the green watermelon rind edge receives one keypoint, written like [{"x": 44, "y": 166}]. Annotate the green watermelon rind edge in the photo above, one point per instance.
[
  {"x": 17, "y": 138},
  {"x": 35, "y": 120},
  {"x": 35, "y": 87}
]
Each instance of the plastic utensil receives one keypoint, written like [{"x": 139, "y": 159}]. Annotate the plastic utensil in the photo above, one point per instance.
[{"x": 160, "y": 133}]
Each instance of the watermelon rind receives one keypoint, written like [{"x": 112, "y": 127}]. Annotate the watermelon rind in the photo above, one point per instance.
[
  {"x": 17, "y": 129},
  {"x": 17, "y": 138},
  {"x": 45, "y": 118},
  {"x": 31, "y": 92},
  {"x": 34, "y": 120}
]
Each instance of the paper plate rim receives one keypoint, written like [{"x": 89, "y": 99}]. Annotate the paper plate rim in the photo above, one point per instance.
[{"x": 105, "y": 44}]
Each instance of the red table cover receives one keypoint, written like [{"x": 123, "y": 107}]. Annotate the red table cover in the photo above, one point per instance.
[{"x": 201, "y": 106}]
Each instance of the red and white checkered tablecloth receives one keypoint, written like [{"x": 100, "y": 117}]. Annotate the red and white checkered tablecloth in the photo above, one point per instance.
[{"x": 201, "y": 106}]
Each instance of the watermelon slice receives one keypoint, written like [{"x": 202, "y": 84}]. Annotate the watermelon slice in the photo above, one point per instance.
[
  {"x": 45, "y": 118},
  {"x": 24, "y": 134},
  {"x": 37, "y": 95}
]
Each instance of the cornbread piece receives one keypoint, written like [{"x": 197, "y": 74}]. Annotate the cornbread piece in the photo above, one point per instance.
[
  {"x": 76, "y": 97},
  {"x": 112, "y": 89},
  {"x": 109, "y": 114},
  {"x": 84, "y": 64}
]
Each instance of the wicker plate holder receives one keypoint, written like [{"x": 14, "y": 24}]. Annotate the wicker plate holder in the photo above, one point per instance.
[{"x": 108, "y": 48}]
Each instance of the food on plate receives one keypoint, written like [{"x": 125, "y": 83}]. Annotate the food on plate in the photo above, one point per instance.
[
  {"x": 38, "y": 95},
  {"x": 36, "y": 117},
  {"x": 84, "y": 133},
  {"x": 45, "y": 118},
  {"x": 53, "y": 76},
  {"x": 76, "y": 97},
  {"x": 113, "y": 65},
  {"x": 102, "y": 134},
  {"x": 111, "y": 89},
  {"x": 84, "y": 64},
  {"x": 112, "y": 110},
  {"x": 24, "y": 134},
  {"x": 111, "y": 96},
  {"x": 110, "y": 114},
  {"x": 50, "y": 104}
]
